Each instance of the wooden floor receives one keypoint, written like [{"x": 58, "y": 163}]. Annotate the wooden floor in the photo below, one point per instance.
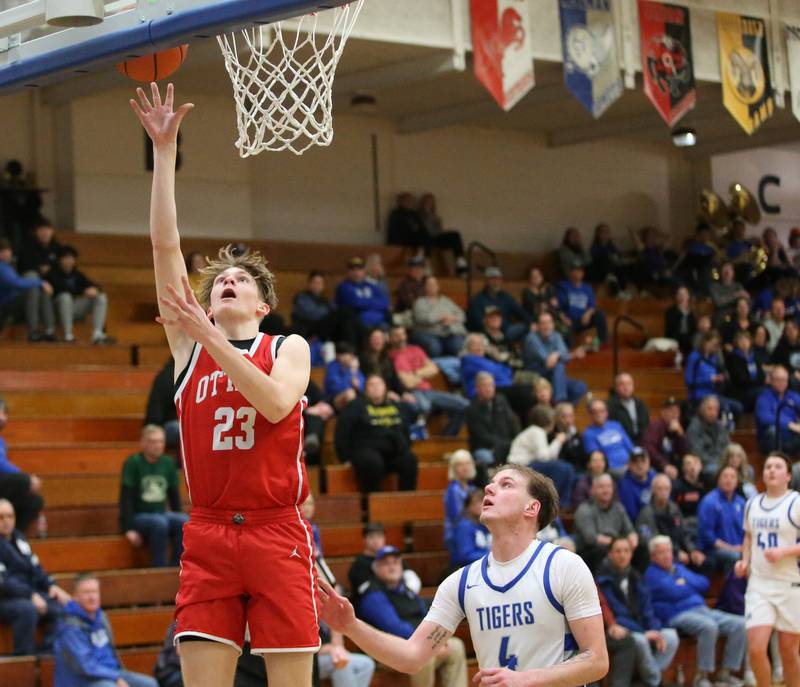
[{"x": 77, "y": 409}]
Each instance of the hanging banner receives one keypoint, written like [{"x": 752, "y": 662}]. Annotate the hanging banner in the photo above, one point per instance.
[
  {"x": 793, "y": 53},
  {"x": 591, "y": 65},
  {"x": 744, "y": 67},
  {"x": 502, "y": 49},
  {"x": 666, "y": 47}
]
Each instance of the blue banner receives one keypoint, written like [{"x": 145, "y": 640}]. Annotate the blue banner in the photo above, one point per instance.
[{"x": 591, "y": 67}]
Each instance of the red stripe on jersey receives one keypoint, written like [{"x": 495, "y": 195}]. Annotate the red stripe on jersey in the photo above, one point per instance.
[{"x": 233, "y": 457}]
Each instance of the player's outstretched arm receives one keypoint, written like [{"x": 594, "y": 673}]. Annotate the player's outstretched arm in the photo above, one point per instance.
[
  {"x": 161, "y": 125},
  {"x": 404, "y": 655}
]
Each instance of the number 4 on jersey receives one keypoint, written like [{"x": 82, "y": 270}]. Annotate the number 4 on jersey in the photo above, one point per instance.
[
  {"x": 507, "y": 661},
  {"x": 771, "y": 543}
]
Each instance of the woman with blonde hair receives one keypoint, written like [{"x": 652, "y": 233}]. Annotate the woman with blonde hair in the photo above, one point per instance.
[
  {"x": 735, "y": 456},
  {"x": 461, "y": 472}
]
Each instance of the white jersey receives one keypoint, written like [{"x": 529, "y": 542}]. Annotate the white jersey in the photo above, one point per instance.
[
  {"x": 517, "y": 611},
  {"x": 773, "y": 523}
]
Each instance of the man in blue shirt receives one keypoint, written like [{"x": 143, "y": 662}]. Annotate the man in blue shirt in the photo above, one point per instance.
[
  {"x": 13, "y": 288},
  {"x": 390, "y": 606},
  {"x": 493, "y": 294},
  {"x": 343, "y": 378},
  {"x": 677, "y": 595},
  {"x": 578, "y": 305},
  {"x": 366, "y": 301},
  {"x": 720, "y": 521},
  {"x": 545, "y": 352},
  {"x": 767, "y": 412},
  {"x": 608, "y": 437},
  {"x": 634, "y": 489}
]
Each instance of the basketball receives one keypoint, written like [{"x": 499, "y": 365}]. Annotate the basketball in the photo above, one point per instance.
[{"x": 154, "y": 67}]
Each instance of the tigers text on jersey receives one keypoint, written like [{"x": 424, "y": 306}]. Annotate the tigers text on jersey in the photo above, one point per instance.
[
  {"x": 773, "y": 523},
  {"x": 518, "y": 611},
  {"x": 233, "y": 457}
]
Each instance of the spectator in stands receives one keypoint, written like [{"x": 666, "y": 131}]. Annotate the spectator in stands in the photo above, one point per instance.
[
  {"x": 571, "y": 251},
  {"x": 411, "y": 286},
  {"x": 607, "y": 436},
  {"x": 372, "y": 437},
  {"x": 491, "y": 423},
  {"x": 599, "y": 521},
  {"x": 630, "y": 601},
  {"x": 461, "y": 474},
  {"x": 740, "y": 321},
  {"x": 415, "y": 370},
  {"x": 340, "y": 666},
  {"x": 150, "y": 501},
  {"x": 405, "y": 225},
  {"x": 75, "y": 296},
  {"x": 578, "y": 305},
  {"x": 317, "y": 413},
  {"x": 161, "y": 404},
  {"x": 374, "y": 360},
  {"x": 778, "y": 263},
  {"x": 677, "y": 594},
  {"x": 545, "y": 353},
  {"x": 85, "y": 652},
  {"x": 389, "y": 606},
  {"x": 344, "y": 379},
  {"x": 690, "y": 488},
  {"x": 28, "y": 595},
  {"x": 538, "y": 296},
  {"x": 736, "y": 457},
  {"x": 625, "y": 408},
  {"x": 760, "y": 341},
  {"x": 543, "y": 393},
  {"x": 38, "y": 256},
  {"x": 438, "y": 321},
  {"x": 596, "y": 465},
  {"x": 776, "y": 394},
  {"x": 195, "y": 262},
  {"x": 719, "y": 521},
  {"x": 774, "y": 323},
  {"x": 707, "y": 434},
  {"x": 705, "y": 375},
  {"x": 787, "y": 352},
  {"x": 360, "y": 573},
  {"x": 634, "y": 487},
  {"x": 499, "y": 348},
  {"x": 366, "y": 301},
  {"x": 519, "y": 396},
  {"x": 665, "y": 440},
  {"x": 724, "y": 294},
  {"x": 438, "y": 236},
  {"x": 703, "y": 328},
  {"x": 680, "y": 324},
  {"x": 532, "y": 448},
  {"x": 376, "y": 274},
  {"x": 315, "y": 316},
  {"x": 572, "y": 449},
  {"x": 21, "y": 489},
  {"x": 14, "y": 296},
  {"x": 621, "y": 647},
  {"x": 471, "y": 539},
  {"x": 608, "y": 264},
  {"x": 493, "y": 294},
  {"x": 745, "y": 374}
]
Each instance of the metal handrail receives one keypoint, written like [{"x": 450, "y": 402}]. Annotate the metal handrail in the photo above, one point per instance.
[
  {"x": 471, "y": 248},
  {"x": 636, "y": 325}
]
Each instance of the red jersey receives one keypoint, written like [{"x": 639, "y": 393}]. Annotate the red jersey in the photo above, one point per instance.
[{"x": 233, "y": 457}]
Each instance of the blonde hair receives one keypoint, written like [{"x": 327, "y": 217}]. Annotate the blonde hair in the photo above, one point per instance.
[
  {"x": 742, "y": 471},
  {"x": 455, "y": 459},
  {"x": 252, "y": 262},
  {"x": 542, "y": 383}
]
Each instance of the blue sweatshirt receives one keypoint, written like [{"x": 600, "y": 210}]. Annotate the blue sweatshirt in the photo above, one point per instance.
[
  {"x": 6, "y": 466},
  {"x": 471, "y": 365},
  {"x": 575, "y": 300},
  {"x": 634, "y": 494},
  {"x": 339, "y": 378},
  {"x": 84, "y": 649},
  {"x": 368, "y": 302},
  {"x": 720, "y": 518},
  {"x": 454, "y": 498},
  {"x": 610, "y": 587},
  {"x": 611, "y": 440},
  {"x": 767, "y": 410},
  {"x": 12, "y": 285},
  {"x": 376, "y": 609},
  {"x": 674, "y": 591},
  {"x": 698, "y": 375},
  {"x": 536, "y": 349},
  {"x": 471, "y": 542}
]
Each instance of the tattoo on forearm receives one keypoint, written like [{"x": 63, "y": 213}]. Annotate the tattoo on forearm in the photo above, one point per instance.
[{"x": 438, "y": 637}]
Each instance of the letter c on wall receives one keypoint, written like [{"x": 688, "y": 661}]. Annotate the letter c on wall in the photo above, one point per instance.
[{"x": 766, "y": 181}]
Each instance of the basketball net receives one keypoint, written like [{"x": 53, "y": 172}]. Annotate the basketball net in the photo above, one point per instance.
[{"x": 283, "y": 81}]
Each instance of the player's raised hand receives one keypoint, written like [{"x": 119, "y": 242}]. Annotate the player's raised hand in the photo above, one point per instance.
[
  {"x": 187, "y": 314},
  {"x": 336, "y": 611},
  {"x": 499, "y": 677},
  {"x": 158, "y": 118}
]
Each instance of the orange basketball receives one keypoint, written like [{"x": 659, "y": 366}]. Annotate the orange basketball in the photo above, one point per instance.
[{"x": 153, "y": 67}]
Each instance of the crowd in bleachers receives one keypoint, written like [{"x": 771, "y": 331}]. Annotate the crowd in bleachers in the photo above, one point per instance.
[{"x": 652, "y": 497}]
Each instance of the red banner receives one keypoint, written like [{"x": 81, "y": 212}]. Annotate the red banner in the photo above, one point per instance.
[{"x": 666, "y": 41}]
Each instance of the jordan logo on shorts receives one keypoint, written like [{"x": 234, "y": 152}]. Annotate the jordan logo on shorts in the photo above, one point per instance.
[{"x": 294, "y": 553}]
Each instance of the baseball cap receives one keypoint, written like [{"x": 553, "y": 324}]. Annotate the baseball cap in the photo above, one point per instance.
[
  {"x": 492, "y": 272},
  {"x": 386, "y": 551},
  {"x": 670, "y": 402},
  {"x": 576, "y": 265},
  {"x": 416, "y": 261},
  {"x": 355, "y": 261},
  {"x": 491, "y": 310},
  {"x": 638, "y": 453}
]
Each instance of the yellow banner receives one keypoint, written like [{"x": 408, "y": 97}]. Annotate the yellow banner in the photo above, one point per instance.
[{"x": 744, "y": 67}]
